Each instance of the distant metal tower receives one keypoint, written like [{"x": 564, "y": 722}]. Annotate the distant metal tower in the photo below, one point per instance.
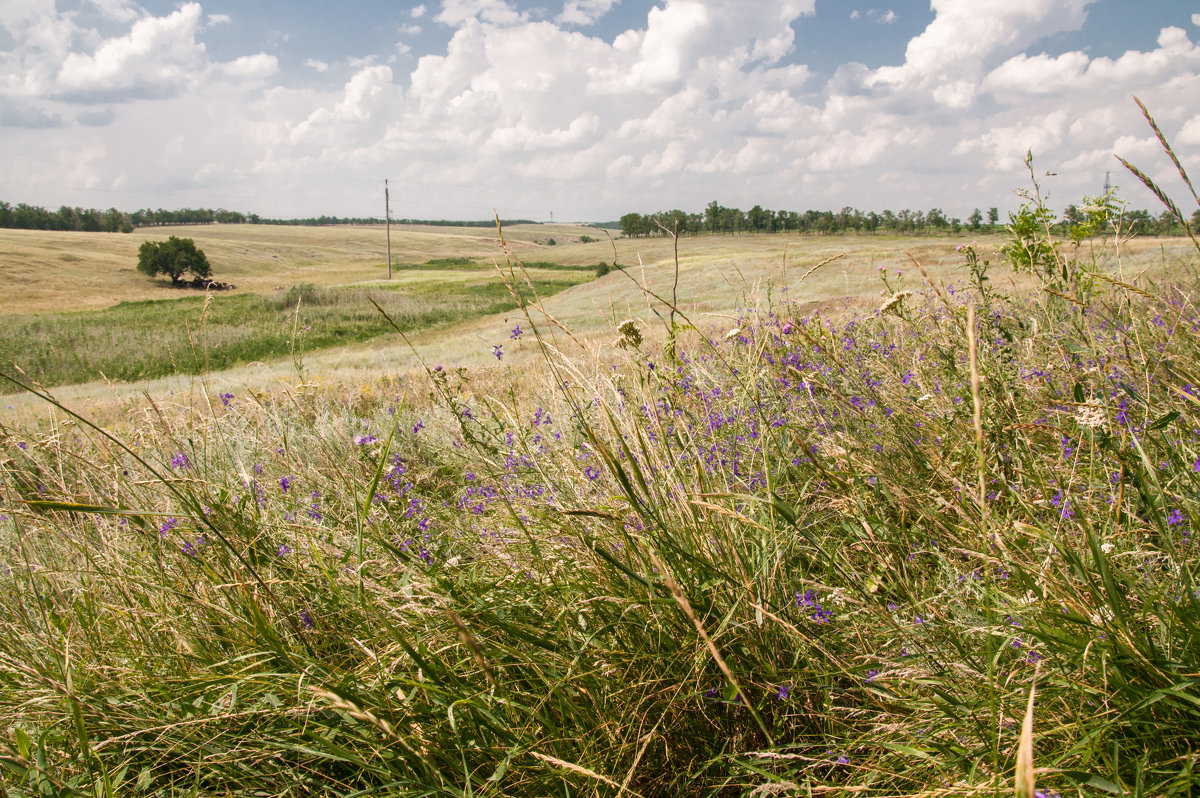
[{"x": 1107, "y": 183}]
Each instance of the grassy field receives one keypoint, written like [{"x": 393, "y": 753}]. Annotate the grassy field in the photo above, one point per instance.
[
  {"x": 124, "y": 327},
  {"x": 141, "y": 340},
  {"x": 838, "y": 541},
  {"x": 49, "y": 271}
]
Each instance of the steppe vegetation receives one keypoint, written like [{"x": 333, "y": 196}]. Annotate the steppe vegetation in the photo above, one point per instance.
[{"x": 938, "y": 543}]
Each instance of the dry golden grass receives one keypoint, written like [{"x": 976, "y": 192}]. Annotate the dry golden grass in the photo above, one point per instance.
[
  {"x": 718, "y": 275},
  {"x": 52, "y": 271}
]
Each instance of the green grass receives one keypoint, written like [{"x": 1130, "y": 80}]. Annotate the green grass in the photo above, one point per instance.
[
  {"x": 766, "y": 566},
  {"x": 821, "y": 551},
  {"x": 145, "y": 339},
  {"x": 443, "y": 264}
]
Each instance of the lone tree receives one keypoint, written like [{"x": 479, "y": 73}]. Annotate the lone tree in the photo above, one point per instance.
[{"x": 172, "y": 257}]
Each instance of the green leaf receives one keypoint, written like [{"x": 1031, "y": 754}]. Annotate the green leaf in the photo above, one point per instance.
[
  {"x": 24, "y": 744},
  {"x": 1090, "y": 780},
  {"x": 1163, "y": 421},
  {"x": 907, "y": 749}
]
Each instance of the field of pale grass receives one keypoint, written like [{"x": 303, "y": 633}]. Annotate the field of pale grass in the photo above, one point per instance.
[
  {"x": 51, "y": 271},
  {"x": 785, "y": 561},
  {"x": 768, "y": 518}
]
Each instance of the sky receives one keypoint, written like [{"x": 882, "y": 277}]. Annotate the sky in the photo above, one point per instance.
[{"x": 584, "y": 110}]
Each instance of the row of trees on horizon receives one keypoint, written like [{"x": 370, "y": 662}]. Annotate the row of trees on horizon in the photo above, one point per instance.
[
  {"x": 718, "y": 219},
  {"x": 715, "y": 218},
  {"x": 90, "y": 220}
]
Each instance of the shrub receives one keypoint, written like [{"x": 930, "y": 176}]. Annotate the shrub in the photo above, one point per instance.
[{"x": 173, "y": 257}]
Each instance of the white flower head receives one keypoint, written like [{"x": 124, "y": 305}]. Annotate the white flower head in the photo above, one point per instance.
[{"x": 1090, "y": 415}]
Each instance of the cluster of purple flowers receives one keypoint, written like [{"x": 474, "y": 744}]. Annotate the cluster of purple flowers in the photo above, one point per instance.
[{"x": 808, "y": 602}]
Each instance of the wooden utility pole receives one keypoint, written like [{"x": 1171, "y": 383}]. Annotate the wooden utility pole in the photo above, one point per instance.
[{"x": 387, "y": 211}]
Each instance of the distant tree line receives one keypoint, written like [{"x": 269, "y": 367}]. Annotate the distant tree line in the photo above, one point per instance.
[
  {"x": 31, "y": 217},
  {"x": 90, "y": 220},
  {"x": 154, "y": 218},
  {"x": 718, "y": 219}
]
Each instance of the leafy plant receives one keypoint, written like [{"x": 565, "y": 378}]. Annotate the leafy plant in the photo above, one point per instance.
[{"x": 173, "y": 257}]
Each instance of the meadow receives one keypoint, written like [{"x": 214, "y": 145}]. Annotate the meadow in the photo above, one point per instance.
[
  {"x": 298, "y": 290},
  {"x": 828, "y": 518}
]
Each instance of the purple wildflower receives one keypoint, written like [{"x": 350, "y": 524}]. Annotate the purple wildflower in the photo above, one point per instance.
[
  {"x": 226, "y": 399},
  {"x": 1176, "y": 517},
  {"x": 498, "y": 351},
  {"x": 181, "y": 462},
  {"x": 516, "y": 332},
  {"x": 809, "y": 601},
  {"x": 285, "y": 483}
]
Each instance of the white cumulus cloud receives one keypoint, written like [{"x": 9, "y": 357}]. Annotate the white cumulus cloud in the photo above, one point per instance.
[
  {"x": 584, "y": 12},
  {"x": 497, "y": 12},
  {"x": 250, "y": 67},
  {"x": 966, "y": 36},
  {"x": 158, "y": 57},
  {"x": 525, "y": 110}
]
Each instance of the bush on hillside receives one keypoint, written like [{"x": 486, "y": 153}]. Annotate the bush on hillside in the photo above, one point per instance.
[{"x": 173, "y": 257}]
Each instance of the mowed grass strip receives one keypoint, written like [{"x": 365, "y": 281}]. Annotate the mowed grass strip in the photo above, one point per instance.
[{"x": 154, "y": 338}]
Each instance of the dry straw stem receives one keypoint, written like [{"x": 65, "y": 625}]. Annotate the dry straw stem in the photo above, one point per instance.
[
  {"x": 1150, "y": 184},
  {"x": 972, "y": 345},
  {"x": 812, "y": 269},
  {"x": 582, "y": 771},
  {"x": 936, "y": 289},
  {"x": 468, "y": 640},
  {"x": 1025, "y": 775},
  {"x": 1167, "y": 146}
]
